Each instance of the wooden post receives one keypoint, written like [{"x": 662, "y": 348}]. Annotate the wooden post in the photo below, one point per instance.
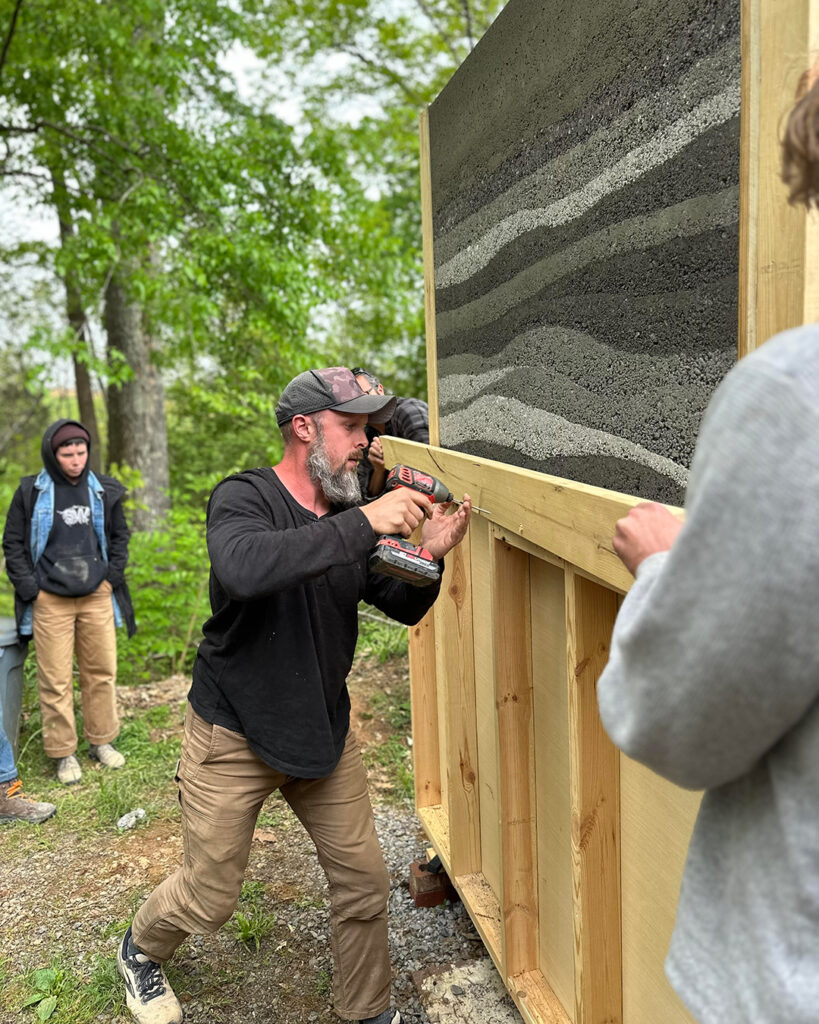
[
  {"x": 779, "y": 244},
  {"x": 429, "y": 278},
  {"x": 455, "y": 665},
  {"x": 424, "y": 703},
  {"x": 595, "y": 799},
  {"x": 513, "y": 677}
]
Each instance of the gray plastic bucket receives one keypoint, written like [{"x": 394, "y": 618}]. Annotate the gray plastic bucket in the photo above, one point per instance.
[{"x": 12, "y": 656}]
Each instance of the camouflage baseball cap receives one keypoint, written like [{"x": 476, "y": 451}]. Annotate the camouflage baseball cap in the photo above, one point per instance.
[{"x": 333, "y": 388}]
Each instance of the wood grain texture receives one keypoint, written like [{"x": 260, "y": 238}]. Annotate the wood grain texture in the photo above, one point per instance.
[
  {"x": 455, "y": 666},
  {"x": 590, "y": 614},
  {"x": 513, "y": 675},
  {"x": 424, "y": 704},
  {"x": 573, "y": 521},
  {"x": 657, "y": 819},
  {"x": 536, "y": 1001},
  {"x": 429, "y": 277},
  {"x": 484, "y": 629},
  {"x": 783, "y": 56},
  {"x": 551, "y": 723},
  {"x": 485, "y": 911},
  {"x": 436, "y": 825}
]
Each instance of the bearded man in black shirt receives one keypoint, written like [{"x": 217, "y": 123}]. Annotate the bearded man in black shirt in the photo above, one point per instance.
[
  {"x": 269, "y": 707},
  {"x": 66, "y": 547}
]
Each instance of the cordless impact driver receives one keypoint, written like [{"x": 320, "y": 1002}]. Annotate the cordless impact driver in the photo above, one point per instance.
[{"x": 395, "y": 556}]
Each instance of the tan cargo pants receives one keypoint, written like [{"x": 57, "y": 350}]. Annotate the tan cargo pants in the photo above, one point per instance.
[
  {"x": 58, "y": 624},
  {"x": 222, "y": 786}
]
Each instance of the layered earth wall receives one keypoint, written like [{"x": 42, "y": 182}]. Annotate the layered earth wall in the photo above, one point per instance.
[{"x": 585, "y": 191}]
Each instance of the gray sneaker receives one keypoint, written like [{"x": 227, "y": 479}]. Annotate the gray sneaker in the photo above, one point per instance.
[
  {"x": 16, "y": 806},
  {"x": 107, "y": 755},
  {"x": 148, "y": 995},
  {"x": 68, "y": 770}
]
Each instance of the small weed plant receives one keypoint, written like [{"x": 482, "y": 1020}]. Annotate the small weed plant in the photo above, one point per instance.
[{"x": 251, "y": 924}]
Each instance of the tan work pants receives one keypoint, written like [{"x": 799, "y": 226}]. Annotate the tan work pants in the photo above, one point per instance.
[
  {"x": 59, "y": 623},
  {"x": 222, "y": 787}
]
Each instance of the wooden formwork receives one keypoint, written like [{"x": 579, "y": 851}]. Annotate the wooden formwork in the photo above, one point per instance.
[{"x": 567, "y": 854}]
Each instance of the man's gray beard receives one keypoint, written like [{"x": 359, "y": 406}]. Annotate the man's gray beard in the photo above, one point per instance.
[{"x": 340, "y": 487}]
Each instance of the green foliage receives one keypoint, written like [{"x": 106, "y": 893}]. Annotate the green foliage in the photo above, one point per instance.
[
  {"x": 168, "y": 578},
  {"x": 381, "y": 639},
  {"x": 395, "y": 756},
  {"x": 58, "y": 993},
  {"x": 251, "y": 923}
]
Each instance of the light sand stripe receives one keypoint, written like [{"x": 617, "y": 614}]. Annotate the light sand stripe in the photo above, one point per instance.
[
  {"x": 568, "y": 351},
  {"x": 660, "y": 148},
  {"x": 575, "y": 167},
  {"x": 692, "y": 217},
  {"x": 541, "y": 435}
]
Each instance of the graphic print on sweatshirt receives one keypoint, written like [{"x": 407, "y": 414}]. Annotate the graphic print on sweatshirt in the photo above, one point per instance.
[
  {"x": 76, "y": 515},
  {"x": 72, "y": 563}
]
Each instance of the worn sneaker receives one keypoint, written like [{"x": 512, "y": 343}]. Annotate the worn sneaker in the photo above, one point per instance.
[
  {"x": 148, "y": 995},
  {"x": 16, "y": 806},
  {"x": 106, "y": 755},
  {"x": 68, "y": 770},
  {"x": 387, "y": 1017}
]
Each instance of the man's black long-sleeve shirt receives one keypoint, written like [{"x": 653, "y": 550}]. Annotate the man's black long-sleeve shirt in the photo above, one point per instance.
[{"x": 284, "y": 590}]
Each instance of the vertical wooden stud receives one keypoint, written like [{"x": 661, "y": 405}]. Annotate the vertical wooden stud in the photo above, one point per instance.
[
  {"x": 513, "y": 675},
  {"x": 429, "y": 277},
  {"x": 424, "y": 703},
  {"x": 594, "y": 781},
  {"x": 481, "y": 543},
  {"x": 779, "y": 243},
  {"x": 455, "y": 665}
]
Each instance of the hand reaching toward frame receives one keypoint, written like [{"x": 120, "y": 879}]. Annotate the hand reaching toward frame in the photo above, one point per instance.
[{"x": 441, "y": 532}]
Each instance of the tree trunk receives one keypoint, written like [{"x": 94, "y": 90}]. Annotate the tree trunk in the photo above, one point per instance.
[
  {"x": 137, "y": 432},
  {"x": 79, "y": 325}
]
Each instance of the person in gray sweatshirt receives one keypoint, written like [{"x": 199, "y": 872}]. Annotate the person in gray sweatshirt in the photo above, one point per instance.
[{"x": 713, "y": 676}]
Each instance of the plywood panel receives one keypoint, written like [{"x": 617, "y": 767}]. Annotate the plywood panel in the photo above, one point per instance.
[
  {"x": 487, "y": 719},
  {"x": 551, "y": 718},
  {"x": 656, "y": 823}
]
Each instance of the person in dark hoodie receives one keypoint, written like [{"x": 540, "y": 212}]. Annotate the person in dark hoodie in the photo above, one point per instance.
[{"x": 66, "y": 547}]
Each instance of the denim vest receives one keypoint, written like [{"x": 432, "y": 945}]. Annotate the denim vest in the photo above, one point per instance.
[{"x": 42, "y": 519}]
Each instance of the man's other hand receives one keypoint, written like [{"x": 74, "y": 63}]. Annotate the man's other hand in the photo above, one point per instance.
[
  {"x": 398, "y": 511},
  {"x": 442, "y": 532},
  {"x": 375, "y": 453},
  {"x": 647, "y": 529}
]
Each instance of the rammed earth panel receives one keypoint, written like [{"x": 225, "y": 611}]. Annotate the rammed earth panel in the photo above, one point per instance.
[{"x": 585, "y": 198}]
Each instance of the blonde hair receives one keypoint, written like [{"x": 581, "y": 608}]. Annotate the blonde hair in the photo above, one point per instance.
[{"x": 800, "y": 145}]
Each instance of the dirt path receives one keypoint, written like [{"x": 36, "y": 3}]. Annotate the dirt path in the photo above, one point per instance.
[{"x": 65, "y": 899}]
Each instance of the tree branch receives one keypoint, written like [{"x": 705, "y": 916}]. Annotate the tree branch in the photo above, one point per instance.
[
  {"x": 468, "y": 19},
  {"x": 447, "y": 40},
  {"x": 7, "y": 41},
  {"x": 393, "y": 76}
]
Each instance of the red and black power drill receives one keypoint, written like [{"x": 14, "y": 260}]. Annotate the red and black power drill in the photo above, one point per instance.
[{"x": 395, "y": 556}]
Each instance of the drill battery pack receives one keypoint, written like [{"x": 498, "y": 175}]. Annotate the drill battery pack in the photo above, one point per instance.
[{"x": 394, "y": 556}]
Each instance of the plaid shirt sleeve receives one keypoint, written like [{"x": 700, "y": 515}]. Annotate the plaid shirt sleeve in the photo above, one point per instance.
[{"x": 410, "y": 420}]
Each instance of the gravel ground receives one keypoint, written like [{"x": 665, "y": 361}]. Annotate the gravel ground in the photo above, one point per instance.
[{"x": 63, "y": 898}]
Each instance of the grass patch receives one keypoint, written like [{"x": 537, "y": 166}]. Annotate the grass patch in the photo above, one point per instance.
[
  {"x": 394, "y": 756},
  {"x": 381, "y": 640},
  {"x": 251, "y": 923},
  {"x": 60, "y": 994}
]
